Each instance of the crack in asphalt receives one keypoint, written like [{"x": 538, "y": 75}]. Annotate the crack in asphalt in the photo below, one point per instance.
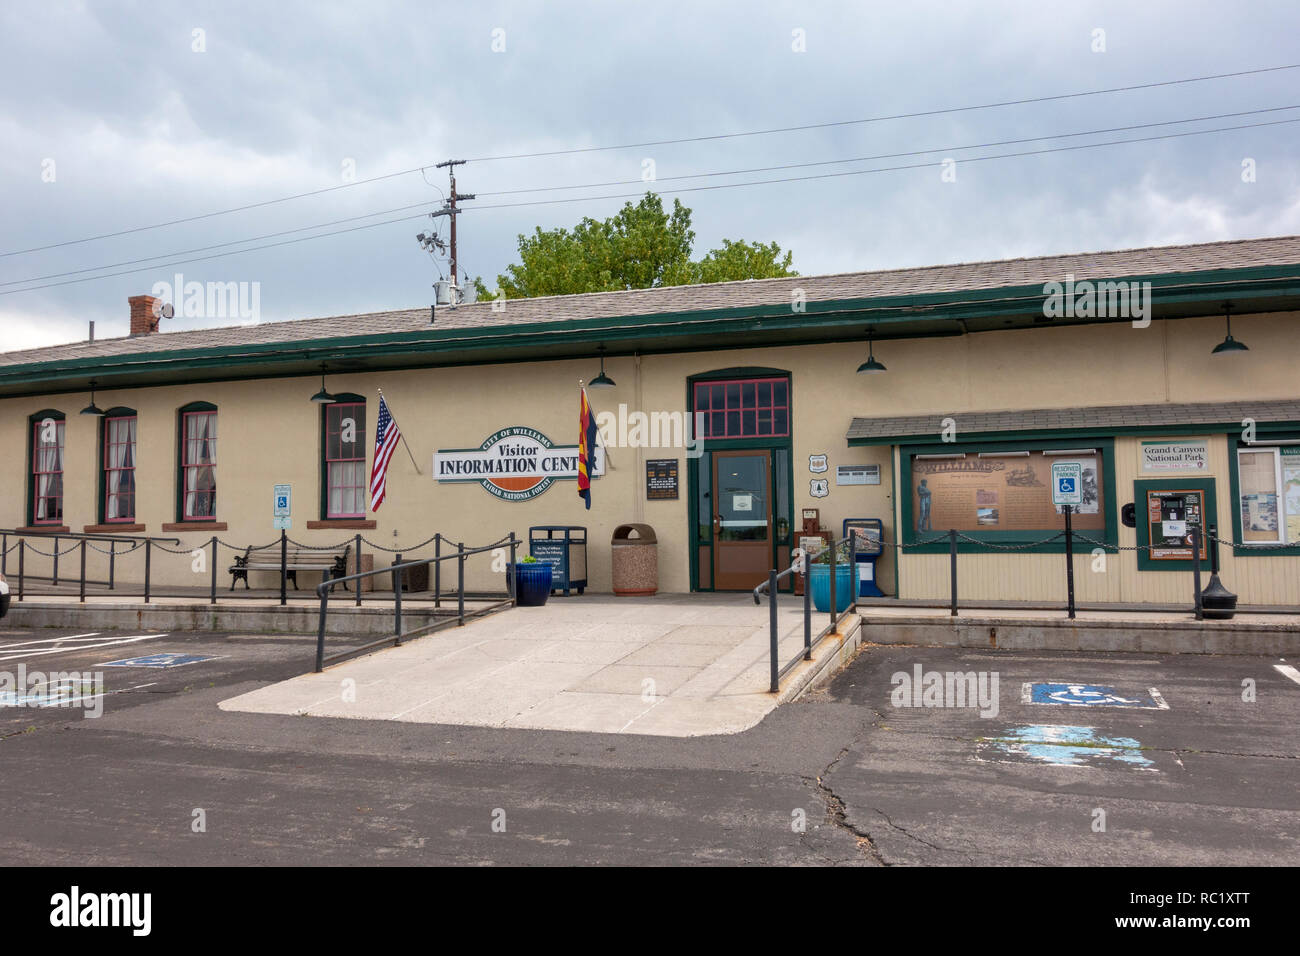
[
  {"x": 912, "y": 836},
  {"x": 836, "y": 809}
]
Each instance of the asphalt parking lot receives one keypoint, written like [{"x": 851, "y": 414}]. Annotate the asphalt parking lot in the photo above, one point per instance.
[{"x": 840, "y": 777}]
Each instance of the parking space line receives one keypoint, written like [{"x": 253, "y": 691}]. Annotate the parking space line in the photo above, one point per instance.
[
  {"x": 1288, "y": 671},
  {"x": 114, "y": 642},
  {"x": 48, "y": 640}
]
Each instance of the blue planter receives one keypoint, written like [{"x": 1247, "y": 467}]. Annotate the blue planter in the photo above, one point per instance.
[
  {"x": 531, "y": 583},
  {"x": 819, "y": 579}
]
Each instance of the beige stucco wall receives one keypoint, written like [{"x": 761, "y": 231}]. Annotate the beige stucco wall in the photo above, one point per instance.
[{"x": 269, "y": 433}]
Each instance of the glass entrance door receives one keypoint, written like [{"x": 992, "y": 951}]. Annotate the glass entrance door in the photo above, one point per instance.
[{"x": 742, "y": 519}]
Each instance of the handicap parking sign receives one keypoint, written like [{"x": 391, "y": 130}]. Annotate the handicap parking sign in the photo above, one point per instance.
[
  {"x": 1089, "y": 695},
  {"x": 158, "y": 660},
  {"x": 1067, "y": 483}
]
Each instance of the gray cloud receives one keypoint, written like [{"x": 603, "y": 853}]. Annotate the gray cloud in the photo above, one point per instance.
[{"x": 142, "y": 129}]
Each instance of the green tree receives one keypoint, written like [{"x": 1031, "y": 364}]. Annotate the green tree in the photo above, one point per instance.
[{"x": 640, "y": 247}]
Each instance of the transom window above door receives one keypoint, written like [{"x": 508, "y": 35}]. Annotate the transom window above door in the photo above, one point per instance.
[{"x": 744, "y": 408}]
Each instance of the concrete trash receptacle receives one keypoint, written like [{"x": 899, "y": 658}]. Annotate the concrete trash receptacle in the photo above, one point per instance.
[{"x": 635, "y": 559}]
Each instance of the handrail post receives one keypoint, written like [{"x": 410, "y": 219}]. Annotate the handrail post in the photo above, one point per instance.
[
  {"x": 320, "y": 628},
  {"x": 82, "y": 588},
  {"x": 22, "y": 547},
  {"x": 807, "y": 608},
  {"x": 437, "y": 570},
  {"x": 460, "y": 581},
  {"x": 834, "y": 602},
  {"x": 148, "y": 561},
  {"x": 771, "y": 623},
  {"x": 356, "y": 583},
  {"x": 214, "y": 570},
  {"x": 1196, "y": 573},
  {"x": 512, "y": 572},
  {"x": 284, "y": 568},
  {"x": 397, "y": 603},
  {"x": 952, "y": 561}
]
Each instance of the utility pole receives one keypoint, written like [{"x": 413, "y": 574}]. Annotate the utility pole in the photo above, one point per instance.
[{"x": 451, "y": 165}]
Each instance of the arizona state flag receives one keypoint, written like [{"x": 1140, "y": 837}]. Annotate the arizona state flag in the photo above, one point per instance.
[{"x": 586, "y": 448}]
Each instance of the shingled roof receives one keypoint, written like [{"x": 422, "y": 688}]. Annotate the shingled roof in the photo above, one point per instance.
[
  {"x": 1109, "y": 418},
  {"x": 935, "y": 280}
]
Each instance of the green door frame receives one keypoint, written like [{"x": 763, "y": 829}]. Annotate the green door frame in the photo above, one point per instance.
[{"x": 698, "y": 538}]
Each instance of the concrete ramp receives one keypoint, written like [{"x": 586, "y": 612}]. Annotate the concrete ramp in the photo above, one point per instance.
[{"x": 668, "y": 665}]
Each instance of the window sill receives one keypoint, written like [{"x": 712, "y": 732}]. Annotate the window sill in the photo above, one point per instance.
[
  {"x": 44, "y": 529},
  {"x": 120, "y": 528},
  {"x": 195, "y": 526},
  {"x": 344, "y": 524}
]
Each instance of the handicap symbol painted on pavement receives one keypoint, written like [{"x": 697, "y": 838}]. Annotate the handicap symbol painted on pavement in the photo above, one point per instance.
[
  {"x": 1089, "y": 695},
  {"x": 1066, "y": 747},
  {"x": 158, "y": 660}
]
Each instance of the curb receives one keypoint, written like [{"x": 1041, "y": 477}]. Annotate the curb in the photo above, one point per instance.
[
  {"x": 1054, "y": 634},
  {"x": 302, "y": 621},
  {"x": 829, "y": 657}
]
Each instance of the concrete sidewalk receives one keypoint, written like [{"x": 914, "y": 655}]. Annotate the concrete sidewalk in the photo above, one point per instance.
[{"x": 669, "y": 665}]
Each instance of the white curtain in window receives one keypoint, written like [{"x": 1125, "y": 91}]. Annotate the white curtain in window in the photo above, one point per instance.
[
  {"x": 346, "y": 485},
  {"x": 49, "y": 480},
  {"x": 121, "y": 457},
  {"x": 200, "y": 483}
]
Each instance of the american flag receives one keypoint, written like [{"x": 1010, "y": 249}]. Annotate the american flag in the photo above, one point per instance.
[{"x": 386, "y": 438}]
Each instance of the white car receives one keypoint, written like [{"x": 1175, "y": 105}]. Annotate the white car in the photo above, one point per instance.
[{"x": 4, "y": 596}]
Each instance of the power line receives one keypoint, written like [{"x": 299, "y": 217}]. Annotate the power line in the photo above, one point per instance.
[
  {"x": 662, "y": 142},
  {"x": 628, "y": 182},
  {"x": 892, "y": 116},
  {"x": 669, "y": 192},
  {"x": 222, "y": 245},
  {"x": 914, "y": 152}
]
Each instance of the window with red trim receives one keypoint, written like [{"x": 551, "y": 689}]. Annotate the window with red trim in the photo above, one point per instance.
[
  {"x": 744, "y": 407},
  {"x": 47, "y": 471},
  {"x": 119, "y": 469},
  {"x": 345, "y": 460},
  {"x": 199, "y": 466}
]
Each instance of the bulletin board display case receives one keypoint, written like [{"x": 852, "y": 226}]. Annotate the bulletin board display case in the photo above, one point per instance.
[
  {"x": 564, "y": 548},
  {"x": 1172, "y": 514}
]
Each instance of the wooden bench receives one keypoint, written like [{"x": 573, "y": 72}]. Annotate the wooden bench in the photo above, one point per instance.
[{"x": 329, "y": 564}]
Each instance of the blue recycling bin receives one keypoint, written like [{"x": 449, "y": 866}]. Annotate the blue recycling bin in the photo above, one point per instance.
[{"x": 564, "y": 548}]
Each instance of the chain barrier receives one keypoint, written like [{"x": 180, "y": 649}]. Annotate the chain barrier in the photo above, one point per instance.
[{"x": 409, "y": 547}]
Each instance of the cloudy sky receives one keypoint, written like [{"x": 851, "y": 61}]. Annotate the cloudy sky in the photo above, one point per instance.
[{"x": 115, "y": 116}]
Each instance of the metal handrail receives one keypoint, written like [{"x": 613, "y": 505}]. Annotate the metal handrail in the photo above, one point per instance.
[
  {"x": 399, "y": 572},
  {"x": 774, "y": 577},
  {"x": 81, "y": 539}
]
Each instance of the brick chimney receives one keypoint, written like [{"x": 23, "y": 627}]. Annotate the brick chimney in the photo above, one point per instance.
[{"x": 144, "y": 321}]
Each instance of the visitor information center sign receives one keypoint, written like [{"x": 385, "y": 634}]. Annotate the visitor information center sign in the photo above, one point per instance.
[{"x": 515, "y": 464}]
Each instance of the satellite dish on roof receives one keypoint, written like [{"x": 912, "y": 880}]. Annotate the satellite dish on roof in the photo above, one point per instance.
[{"x": 167, "y": 311}]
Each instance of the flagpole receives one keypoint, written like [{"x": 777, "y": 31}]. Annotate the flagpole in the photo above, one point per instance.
[{"x": 401, "y": 434}]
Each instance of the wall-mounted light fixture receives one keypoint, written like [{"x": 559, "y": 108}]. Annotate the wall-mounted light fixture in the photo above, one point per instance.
[
  {"x": 92, "y": 408},
  {"x": 1229, "y": 344},
  {"x": 323, "y": 397},
  {"x": 870, "y": 366},
  {"x": 602, "y": 380}
]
